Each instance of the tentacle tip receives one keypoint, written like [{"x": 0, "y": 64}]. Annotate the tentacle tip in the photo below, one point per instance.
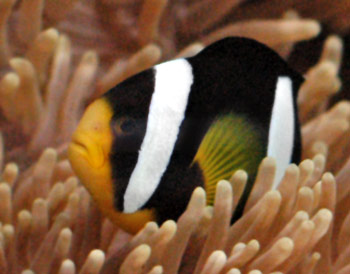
[
  {"x": 335, "y": 41},
  {"x": 269, "y": 162},
  {"x": 328, "y": 176},
  {"x": 90, "y": 57},
  {"x": 52, "y": 33},
  {"x": 286, "y": 244},
  {"x": 313, "y": 27},
  {"x": 326, "y": 214},
  {"x": 97, "y": 255}
]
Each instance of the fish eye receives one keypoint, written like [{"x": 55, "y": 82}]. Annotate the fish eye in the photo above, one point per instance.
[{"x": 128, "y": 125}]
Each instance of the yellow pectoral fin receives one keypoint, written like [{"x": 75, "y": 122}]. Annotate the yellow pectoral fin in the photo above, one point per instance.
[{"x": 231, "y": 143}]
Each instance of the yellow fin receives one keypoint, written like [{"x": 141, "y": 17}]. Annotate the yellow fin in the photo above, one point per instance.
[{"x": 232, "y": 142}]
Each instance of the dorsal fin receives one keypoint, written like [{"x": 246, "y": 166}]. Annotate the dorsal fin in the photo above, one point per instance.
[{"x": 251, "y": 55}]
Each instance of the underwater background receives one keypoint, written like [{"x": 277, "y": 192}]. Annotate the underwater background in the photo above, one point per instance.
[{"x": 57, "y": 56}]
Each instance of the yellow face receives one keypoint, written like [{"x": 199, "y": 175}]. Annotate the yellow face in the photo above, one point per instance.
[{"x": 89, "y": 154}]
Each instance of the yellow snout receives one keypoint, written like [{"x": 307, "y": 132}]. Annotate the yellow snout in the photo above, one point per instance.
[
  {"x": 89, "y": 153},
  {"x": 91, "y": 143},
  {"x": 89, "y": 150}
]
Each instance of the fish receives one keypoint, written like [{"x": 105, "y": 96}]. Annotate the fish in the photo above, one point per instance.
[{"x": 145, "y": 145}]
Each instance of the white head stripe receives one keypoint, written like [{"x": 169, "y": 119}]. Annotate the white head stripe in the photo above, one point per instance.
[
  {"x": 173, "y": 82},
  {"x": 281, "y": 133}
]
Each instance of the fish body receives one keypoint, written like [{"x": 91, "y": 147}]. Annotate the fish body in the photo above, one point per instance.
[{"x": 145, "y": 145}]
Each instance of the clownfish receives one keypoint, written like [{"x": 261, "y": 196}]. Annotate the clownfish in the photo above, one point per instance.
[{"x": 145, "y": 145}]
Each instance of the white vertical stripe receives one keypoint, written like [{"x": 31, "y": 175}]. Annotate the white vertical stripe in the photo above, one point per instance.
[
  {"x": 281, "y": 133},
  {"x": 173, "y": 82}
]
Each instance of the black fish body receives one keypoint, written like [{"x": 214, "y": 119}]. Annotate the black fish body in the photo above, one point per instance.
[{"x": 145, "y": 145}]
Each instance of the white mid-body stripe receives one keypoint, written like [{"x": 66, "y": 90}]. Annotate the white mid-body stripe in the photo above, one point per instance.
[
  {"x": 173, "y": 82},
  {"x": 281, "y": 132}
]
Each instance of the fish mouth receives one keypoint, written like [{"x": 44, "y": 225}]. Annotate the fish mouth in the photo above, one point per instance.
[
  {"x": 83, "y": 147},
  {"x": 79, "y": 147}
]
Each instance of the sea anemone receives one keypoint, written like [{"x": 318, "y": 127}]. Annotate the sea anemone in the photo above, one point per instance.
[{"x": 56, "y": 56}]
